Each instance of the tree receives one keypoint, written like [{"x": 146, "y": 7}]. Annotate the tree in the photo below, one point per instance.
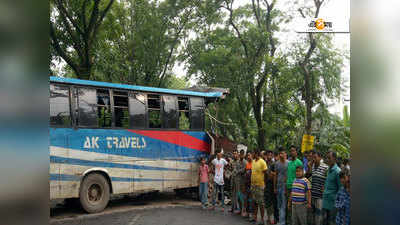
[
  {"x": 243, "y": 53},
  {"x": 142, "y": 40},
  {"x": 277, "y": 92},
  {"x": 319, "y": 65},
  {"x": 74, "y": 27}
]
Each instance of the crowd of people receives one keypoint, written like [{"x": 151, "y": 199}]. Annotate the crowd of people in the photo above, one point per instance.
[{"x": 284, "y": 190}]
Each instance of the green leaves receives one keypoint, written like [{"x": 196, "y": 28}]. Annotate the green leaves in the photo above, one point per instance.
[
  {"x": 239, "y": 54},
  {"x": 140, "y": 42},
  {"x": 74, "y": 28},
  {"x": 137, "y": 42}
]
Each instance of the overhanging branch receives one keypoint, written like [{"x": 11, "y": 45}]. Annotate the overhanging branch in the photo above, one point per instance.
[{"x": 55, "y": 44}]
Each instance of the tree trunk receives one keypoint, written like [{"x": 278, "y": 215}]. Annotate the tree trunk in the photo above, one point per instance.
[
  {"x": 260, "y": 127},
  {"x": 261, "y": 138},
  {"x": 308, "y": 118},
  {"x": 308, "y": 99},
  {"x": 84, "y": 73},
  {"x": 308, "y": 92}
]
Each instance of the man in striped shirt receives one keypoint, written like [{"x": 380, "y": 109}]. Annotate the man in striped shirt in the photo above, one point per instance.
[
  {"x": 300, "y": 198},
  {"x": 319, "y": 171}
]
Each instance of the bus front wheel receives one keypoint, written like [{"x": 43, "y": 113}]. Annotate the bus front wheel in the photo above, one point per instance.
[{"x": 94, "y": 193}]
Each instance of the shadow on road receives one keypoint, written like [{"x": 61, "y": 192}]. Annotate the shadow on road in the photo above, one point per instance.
[{"x": 71, "y": 207}]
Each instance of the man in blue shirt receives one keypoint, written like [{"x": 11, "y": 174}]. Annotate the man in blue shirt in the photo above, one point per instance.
[{"x": 331, "y": 188}]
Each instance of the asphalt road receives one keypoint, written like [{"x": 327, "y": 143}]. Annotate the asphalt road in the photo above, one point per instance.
[
  {"x": 162, "y": 216},
  {"x": 162, "y": 209}
]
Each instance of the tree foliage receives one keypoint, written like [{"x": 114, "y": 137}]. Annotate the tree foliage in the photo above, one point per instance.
[
  {"x": 144, "y": 39},
  {"x": 241, "y": 53},
  {"x": 333, "y": 132},
  {"x": 277, "y": 92},
  {"x": 74, "y": 27},
  {"x": 137, "y": 43}
]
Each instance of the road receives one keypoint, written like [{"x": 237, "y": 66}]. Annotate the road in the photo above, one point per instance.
[{"x": 163, "y": 209}]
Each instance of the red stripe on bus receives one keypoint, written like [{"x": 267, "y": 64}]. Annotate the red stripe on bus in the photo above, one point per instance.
[{"x": 176, "y": 137}]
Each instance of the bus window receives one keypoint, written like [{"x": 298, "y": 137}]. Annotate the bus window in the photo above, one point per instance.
[
  {"x": 87, "y": 113},
  {"x": 121, "y": 110},
  {"x": 154, "y": 107},
  {"x": 137, "y": 109},
  {"x": 170, "y": 115},
  {"x": 196, "y": 113},
  {"x": 59, "y": 106},
  {"x": 183, "y": 103},
  {"x": 103, "y": 108}
]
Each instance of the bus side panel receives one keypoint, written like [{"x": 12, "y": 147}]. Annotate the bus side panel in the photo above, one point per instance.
[
  {"x": 54, "y": 180},
  {"x": 68, "y": 181},
  {"x": 121, "y": 178},
  {"x": 179, "y": 153},
  {"x": 136, "y": 160},
  {"x": 90, "y": 147}
]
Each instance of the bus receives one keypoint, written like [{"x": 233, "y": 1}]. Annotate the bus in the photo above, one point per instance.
[{"x": 108, "y": 139}]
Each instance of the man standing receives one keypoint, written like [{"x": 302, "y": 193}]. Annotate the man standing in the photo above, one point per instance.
[
  {"x": 292, "y": 165},
  {"x": 318, "y": 177},
  {"x": 331, "y": 188},
  {"x": 238, "y": 168},
  {"x": 280, "y": 184},
  {"x": 269, "y": 195},
  {"x": 258, "y": 169},
  {"x": 291, "y": 172},
  {"x": 247, "y": 184},
  {"x": 274, "y": 200},
  {"x": 242, "y": 178},
  {"x": 219, "y": 163}
]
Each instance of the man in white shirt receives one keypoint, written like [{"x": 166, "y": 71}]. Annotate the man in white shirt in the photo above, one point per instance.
[{"x": 219, "y": 163}]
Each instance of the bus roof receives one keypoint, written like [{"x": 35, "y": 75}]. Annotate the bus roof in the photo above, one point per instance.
[{"x": 135, "y": 87}]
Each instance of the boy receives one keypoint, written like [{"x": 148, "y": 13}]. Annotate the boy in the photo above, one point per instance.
[
  {"x": 219, "y": 164},
  {"x": 300, "y": 198},
  {"x": 343, "y": 200},
  {"x": 203, "y": 181}
]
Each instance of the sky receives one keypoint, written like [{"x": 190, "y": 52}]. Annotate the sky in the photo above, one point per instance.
[{"x": 331, "y": 9}]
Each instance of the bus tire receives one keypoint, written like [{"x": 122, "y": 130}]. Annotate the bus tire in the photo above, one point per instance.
[{"x": 94, "y": 193}]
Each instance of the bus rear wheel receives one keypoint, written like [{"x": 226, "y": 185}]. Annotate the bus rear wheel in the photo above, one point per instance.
[{"x": 94, "y": 193}]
